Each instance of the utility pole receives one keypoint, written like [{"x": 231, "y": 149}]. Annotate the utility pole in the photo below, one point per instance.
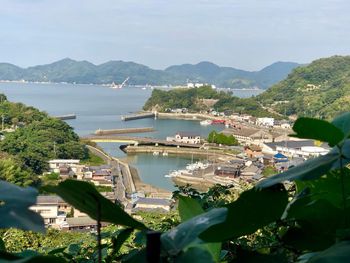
[{"x": 54, "y": 149}]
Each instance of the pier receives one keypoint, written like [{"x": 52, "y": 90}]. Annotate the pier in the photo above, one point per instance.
[
  {"x": 123, "y": 131},
  {"x": 66, "y": 117},
  {"x": 139, "y": 116}
]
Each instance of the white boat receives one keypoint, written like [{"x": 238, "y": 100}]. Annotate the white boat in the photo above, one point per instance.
[
  {"x": 165, "y": 153},
  {"x": 205, "y": 122},
  {"x": 119, "y": 86},
  {"x": 155, "y": 153}
]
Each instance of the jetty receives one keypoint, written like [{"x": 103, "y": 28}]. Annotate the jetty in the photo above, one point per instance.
[
  {"x": 139, "y": 116},
  {"x": 66, "y": 117},
  {"x": 124, "y": 131}
]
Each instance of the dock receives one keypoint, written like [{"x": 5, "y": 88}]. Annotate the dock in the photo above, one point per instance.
[
  {"x": 139, "y": 116},
  {"x": 66, "y": 117},
  {"x": 124, "y": 131}
]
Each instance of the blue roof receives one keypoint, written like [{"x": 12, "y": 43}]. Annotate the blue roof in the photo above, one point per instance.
[{"x": 280, "y": 156}]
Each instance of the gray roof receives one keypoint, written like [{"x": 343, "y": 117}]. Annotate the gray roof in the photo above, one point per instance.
[
  {"x": 153, "y": 201},
  {"x": 295, "y": 144},
  {"x": 81, "y": 221},
  {"x": 49, "y": 199}
]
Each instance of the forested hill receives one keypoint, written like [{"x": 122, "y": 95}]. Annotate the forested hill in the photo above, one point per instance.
[
  {"x": 321, "y": 89},
  {"x": 71, "y": 71}
]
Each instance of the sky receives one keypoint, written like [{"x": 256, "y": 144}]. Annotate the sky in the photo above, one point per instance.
[{"x": 245, "y": 34}]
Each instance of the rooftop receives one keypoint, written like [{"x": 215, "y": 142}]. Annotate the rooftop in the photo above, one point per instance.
[{"x": 154, "y": 201}]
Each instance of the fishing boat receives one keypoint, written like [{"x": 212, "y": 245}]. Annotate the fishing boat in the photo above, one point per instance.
[{"x": 206, "y": 122}]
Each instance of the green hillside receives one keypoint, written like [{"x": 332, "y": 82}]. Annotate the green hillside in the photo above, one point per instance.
[{"x": 321, "y": 89}]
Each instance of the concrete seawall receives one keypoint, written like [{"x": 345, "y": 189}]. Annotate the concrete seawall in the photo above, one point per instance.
[{"x": 124, "y": 131}]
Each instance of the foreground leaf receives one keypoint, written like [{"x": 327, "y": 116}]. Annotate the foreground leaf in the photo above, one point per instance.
[
  {"x": 195, "y": 255},
  {"x": 309, "y": 128},
  {"x": 342, "y": 122},
  {"x": 15, "y": 210},
  {"x": 338, "y": 253},
  {"x": 189, "y": 208},
  {"x": 87, "y": 199},
  {"x": 252, "y": 210},
  {"x": 253, "y": 257},
  {"x": 181, "y": 236}
]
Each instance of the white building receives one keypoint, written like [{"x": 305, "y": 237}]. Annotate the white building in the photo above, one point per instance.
[
  {"x": 49, "y": 208},
  {"x": 267, "y": 122},
  {"x": 300, "y": 148},
  {"x": 56, "y": 164},
  {"x": 153, "y": 204},
  {"x": 185, "y": 137}
]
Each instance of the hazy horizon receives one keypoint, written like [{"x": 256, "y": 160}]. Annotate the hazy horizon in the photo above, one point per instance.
[{"x": 246, "y": 35}]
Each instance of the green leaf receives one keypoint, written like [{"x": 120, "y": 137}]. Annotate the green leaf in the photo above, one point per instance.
[
  {"x": 338, "y": 253},
  {"x": 317, "y": 223},
  {"x": 328, "y": 187},
  {"x": 15, "y": 210},
  {"x": 342, "y": 122},
  {"x": 136, "y": 256},
  {"x": 194, "y": 255},
  {"x": 253, "y": 257},
  {"x": 181, "y": 236},
  {"x": 188, "y": 208},
  {"x": 308, "y": 170},
  {"x": 309, "y": 128},
  {"x": 252, "y": 210},
  {"x": 13, "y": 258},
  {"x": 2, "y": 245},
  {"x": 118, "y": 241},
  {"x": 73, "y": 249},
  {"x": 86, "y": 198}
]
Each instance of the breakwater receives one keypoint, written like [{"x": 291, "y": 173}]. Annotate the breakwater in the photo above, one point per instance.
[
  {"x": 66, "y": 117},
  {"x": 124, "y": 131},
  {"x": 139, "y": 116}
]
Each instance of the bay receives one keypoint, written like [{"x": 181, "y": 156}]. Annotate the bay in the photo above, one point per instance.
[{"x": 100, "y": 107}]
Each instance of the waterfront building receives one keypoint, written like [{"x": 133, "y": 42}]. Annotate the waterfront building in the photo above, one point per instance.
[
  {"x": 185, "y": 137},
  {"x": 299, "y": 148}
]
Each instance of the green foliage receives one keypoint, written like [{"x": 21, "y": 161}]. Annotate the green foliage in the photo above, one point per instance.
[
  {"x": 182, "y": 98},
  {"x": 42, "y": 140},
  {"x": 220, "y": 138},
  {"x": 11, "y": 171},
  {"x": 319, "y": 89},
  {"x": 93, "y": 160}
]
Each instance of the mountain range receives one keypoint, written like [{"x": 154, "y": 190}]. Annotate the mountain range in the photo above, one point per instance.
[{"x": 84, "y": 72}]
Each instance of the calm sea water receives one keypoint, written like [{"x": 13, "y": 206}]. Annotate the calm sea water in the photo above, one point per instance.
[{"x": 98, "y": 107}]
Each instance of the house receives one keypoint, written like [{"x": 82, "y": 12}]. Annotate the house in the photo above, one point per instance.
[
  {"x": 253, "y": 151},
  {"x": 249, "y": 135},
  {"x": 265, "y": 121},
  {"x": 228, "y": 171},
  {"x": 52, "y": 209},
  {"x": 153, "y": 204},
  {"x": 64, "y": 165},
  {"x": 186, "y": 137},
  {"x": 82, "y": 224}
]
